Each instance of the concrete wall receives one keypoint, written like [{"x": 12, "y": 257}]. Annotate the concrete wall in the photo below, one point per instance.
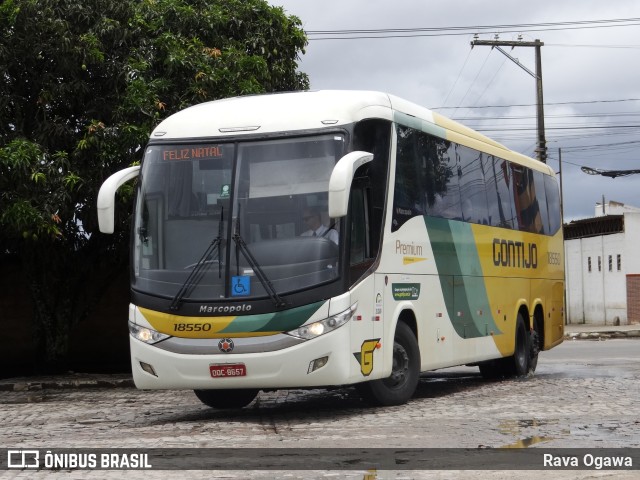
[
  {"x": 632, "y": 243},
  {"x": 632, "y": 266},
  {"x": 574, "y": 309},
  {"x": 599, "y": 296}
]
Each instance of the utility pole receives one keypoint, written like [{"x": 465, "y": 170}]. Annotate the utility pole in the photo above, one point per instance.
[
  {"x": 561, "y": 177},
  {"x": 541, "y": 150}
]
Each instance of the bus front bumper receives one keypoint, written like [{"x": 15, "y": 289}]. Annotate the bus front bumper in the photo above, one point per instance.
[{"x": 296, "y": 366}]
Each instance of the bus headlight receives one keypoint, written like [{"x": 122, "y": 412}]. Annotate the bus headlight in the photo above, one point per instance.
[
  {"x": 313, "y": 330},
  {"x": 146, "y": 335}
]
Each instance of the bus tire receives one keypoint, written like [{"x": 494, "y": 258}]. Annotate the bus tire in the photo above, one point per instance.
[
  {"x": 226, "y": 399},
  {"x": 534, "y": 350},
  {"x": 517, "y": 364},
  {"x": 400, "y": 386}
]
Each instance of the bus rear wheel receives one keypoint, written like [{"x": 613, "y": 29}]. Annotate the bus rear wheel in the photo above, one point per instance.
[
  {"x": 225, "y": 399},
  {"x": 400, "y": 386},
  {"x": 517, "y": 364},
  {"x": 534, "y": 350}
]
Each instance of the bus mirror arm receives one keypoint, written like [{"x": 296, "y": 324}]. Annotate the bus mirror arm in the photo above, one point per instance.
[
  {"x": 107, "y": 195},
  {"x": 340, "y": 181}
]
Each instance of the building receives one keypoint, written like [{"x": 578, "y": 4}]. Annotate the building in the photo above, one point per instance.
[{"x": 602, "y": 266}]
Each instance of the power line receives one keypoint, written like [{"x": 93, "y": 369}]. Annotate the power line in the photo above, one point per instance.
[
  {"x": 574, "y": 45},
  {"x": 588, "y": 147},
  {"x": 586, "y": 102},
  {"x": 490, "y": 82},
  {"x": 612, "y": 114},
  {"x": 475, "y": 78},
  {"x": 473, "y": 27},
  {"x": 551, "y": 126},
  {"x": 359, "y": 34},
  {"x": 567, "y": 115},
  {"x": 605, "y": 127},
  {"x": 458, "y": 78}
]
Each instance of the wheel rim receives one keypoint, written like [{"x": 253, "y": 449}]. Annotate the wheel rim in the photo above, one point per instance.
[{"x": 400, "y": 368}]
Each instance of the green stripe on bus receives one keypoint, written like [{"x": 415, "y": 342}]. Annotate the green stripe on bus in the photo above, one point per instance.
[
  {"x": 293, "y": 318},
  {"x": 273, "y": 322},
  {"x": 461, "y": 279},
  {"x": 474, "y": 287},
  {"x": 248, "y": 323}
]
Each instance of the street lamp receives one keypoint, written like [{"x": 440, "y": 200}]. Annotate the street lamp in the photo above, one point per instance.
[{"x": 608, "y": 173}]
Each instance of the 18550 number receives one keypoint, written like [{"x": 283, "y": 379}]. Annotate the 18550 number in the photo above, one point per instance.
[
  {"x": 554, "y": 258},
  {"x": 191, "y": 327}
]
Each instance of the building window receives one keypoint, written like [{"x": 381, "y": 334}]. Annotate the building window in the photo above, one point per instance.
[
  {"x": 589, "y": 264},
  {"x": 619, "y": 260},
  {"x": 611, "y": 263},
  {"x": 599, "y": 263}
]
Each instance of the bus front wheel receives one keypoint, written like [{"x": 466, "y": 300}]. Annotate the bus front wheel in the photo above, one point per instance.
[
  {"x": 400, "y": 386},
  {"x": 224, "y": 399}
]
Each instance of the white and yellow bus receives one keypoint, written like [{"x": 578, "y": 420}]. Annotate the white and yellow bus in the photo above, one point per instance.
[{"x": 316, "y": 239}]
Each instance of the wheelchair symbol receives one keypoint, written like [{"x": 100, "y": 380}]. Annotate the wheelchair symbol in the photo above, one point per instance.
[{"x": 240, "y": 286}]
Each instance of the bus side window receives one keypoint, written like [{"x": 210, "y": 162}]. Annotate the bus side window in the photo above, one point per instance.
[
  {"x": 360, "y": 255},
  {"x": 541, "y": 201},
  {"x": 473, "y": 191},
  {"x": 526, "y": 202},
  {"x": 553, "y": 203},
  {"x": 499, "y": 199},
  {"x": 358, "y": 247},
  {"x": 374, "y": 136}
]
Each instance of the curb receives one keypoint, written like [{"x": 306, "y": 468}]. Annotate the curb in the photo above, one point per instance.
[
  {"x": 61, "y": 383},
  {"x": 602, "y": 335}
]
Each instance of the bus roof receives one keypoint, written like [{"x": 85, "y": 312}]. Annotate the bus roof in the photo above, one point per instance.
[
  {"x": 310, "y": 110},
  {"x": 272, "y": 113}
]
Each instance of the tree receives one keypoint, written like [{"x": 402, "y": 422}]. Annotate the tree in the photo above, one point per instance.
[{"x": 83, "y": 84}]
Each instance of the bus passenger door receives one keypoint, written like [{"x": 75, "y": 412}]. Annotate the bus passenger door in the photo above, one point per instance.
[{"x": 364, "y": 338}]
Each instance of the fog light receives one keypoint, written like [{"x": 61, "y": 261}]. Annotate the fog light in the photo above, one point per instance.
[
  {"x": 317, "y": 363},
  {"x": 148, "y": 368}
]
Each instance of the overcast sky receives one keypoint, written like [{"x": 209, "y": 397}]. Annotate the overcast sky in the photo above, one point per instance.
[{"x": 586, "y": 73}]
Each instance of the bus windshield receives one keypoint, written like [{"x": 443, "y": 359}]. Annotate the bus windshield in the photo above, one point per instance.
[{"x": 236, "y": 220}]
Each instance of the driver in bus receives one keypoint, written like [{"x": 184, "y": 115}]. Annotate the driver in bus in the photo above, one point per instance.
[{"x": 313, "y": 220}]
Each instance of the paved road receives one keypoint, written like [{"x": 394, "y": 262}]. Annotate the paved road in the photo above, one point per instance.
[{"x": 584, "y": 394}]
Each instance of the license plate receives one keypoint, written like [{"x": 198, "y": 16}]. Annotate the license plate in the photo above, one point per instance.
[{"x": 225, "y": 370}]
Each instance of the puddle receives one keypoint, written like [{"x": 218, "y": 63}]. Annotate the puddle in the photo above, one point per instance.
[
  {"x": 515, "y": 427},
  {"x": 547, "y": 430},
  {"x": 527, "y": 442}
]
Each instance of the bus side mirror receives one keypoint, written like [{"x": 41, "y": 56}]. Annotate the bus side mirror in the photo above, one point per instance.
[
  {"x": 107, "y": 195},
  {"x": 340, "y": 181}
]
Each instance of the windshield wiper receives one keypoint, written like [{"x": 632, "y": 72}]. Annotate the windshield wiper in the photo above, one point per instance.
[
  {"x": 241, "y": 246},
  {"x": 210, "y": 255}
]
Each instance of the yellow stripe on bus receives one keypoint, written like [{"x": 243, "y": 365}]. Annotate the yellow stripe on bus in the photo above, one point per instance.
[{"x": 189, "y": 327}]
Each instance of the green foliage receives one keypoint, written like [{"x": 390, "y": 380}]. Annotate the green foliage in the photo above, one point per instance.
[
  {"x": 83, "y": 84},
  {"x": 30, "y": 189}
]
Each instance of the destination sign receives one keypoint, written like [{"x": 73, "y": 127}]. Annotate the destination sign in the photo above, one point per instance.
[{"x": 193, "y": 153}]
